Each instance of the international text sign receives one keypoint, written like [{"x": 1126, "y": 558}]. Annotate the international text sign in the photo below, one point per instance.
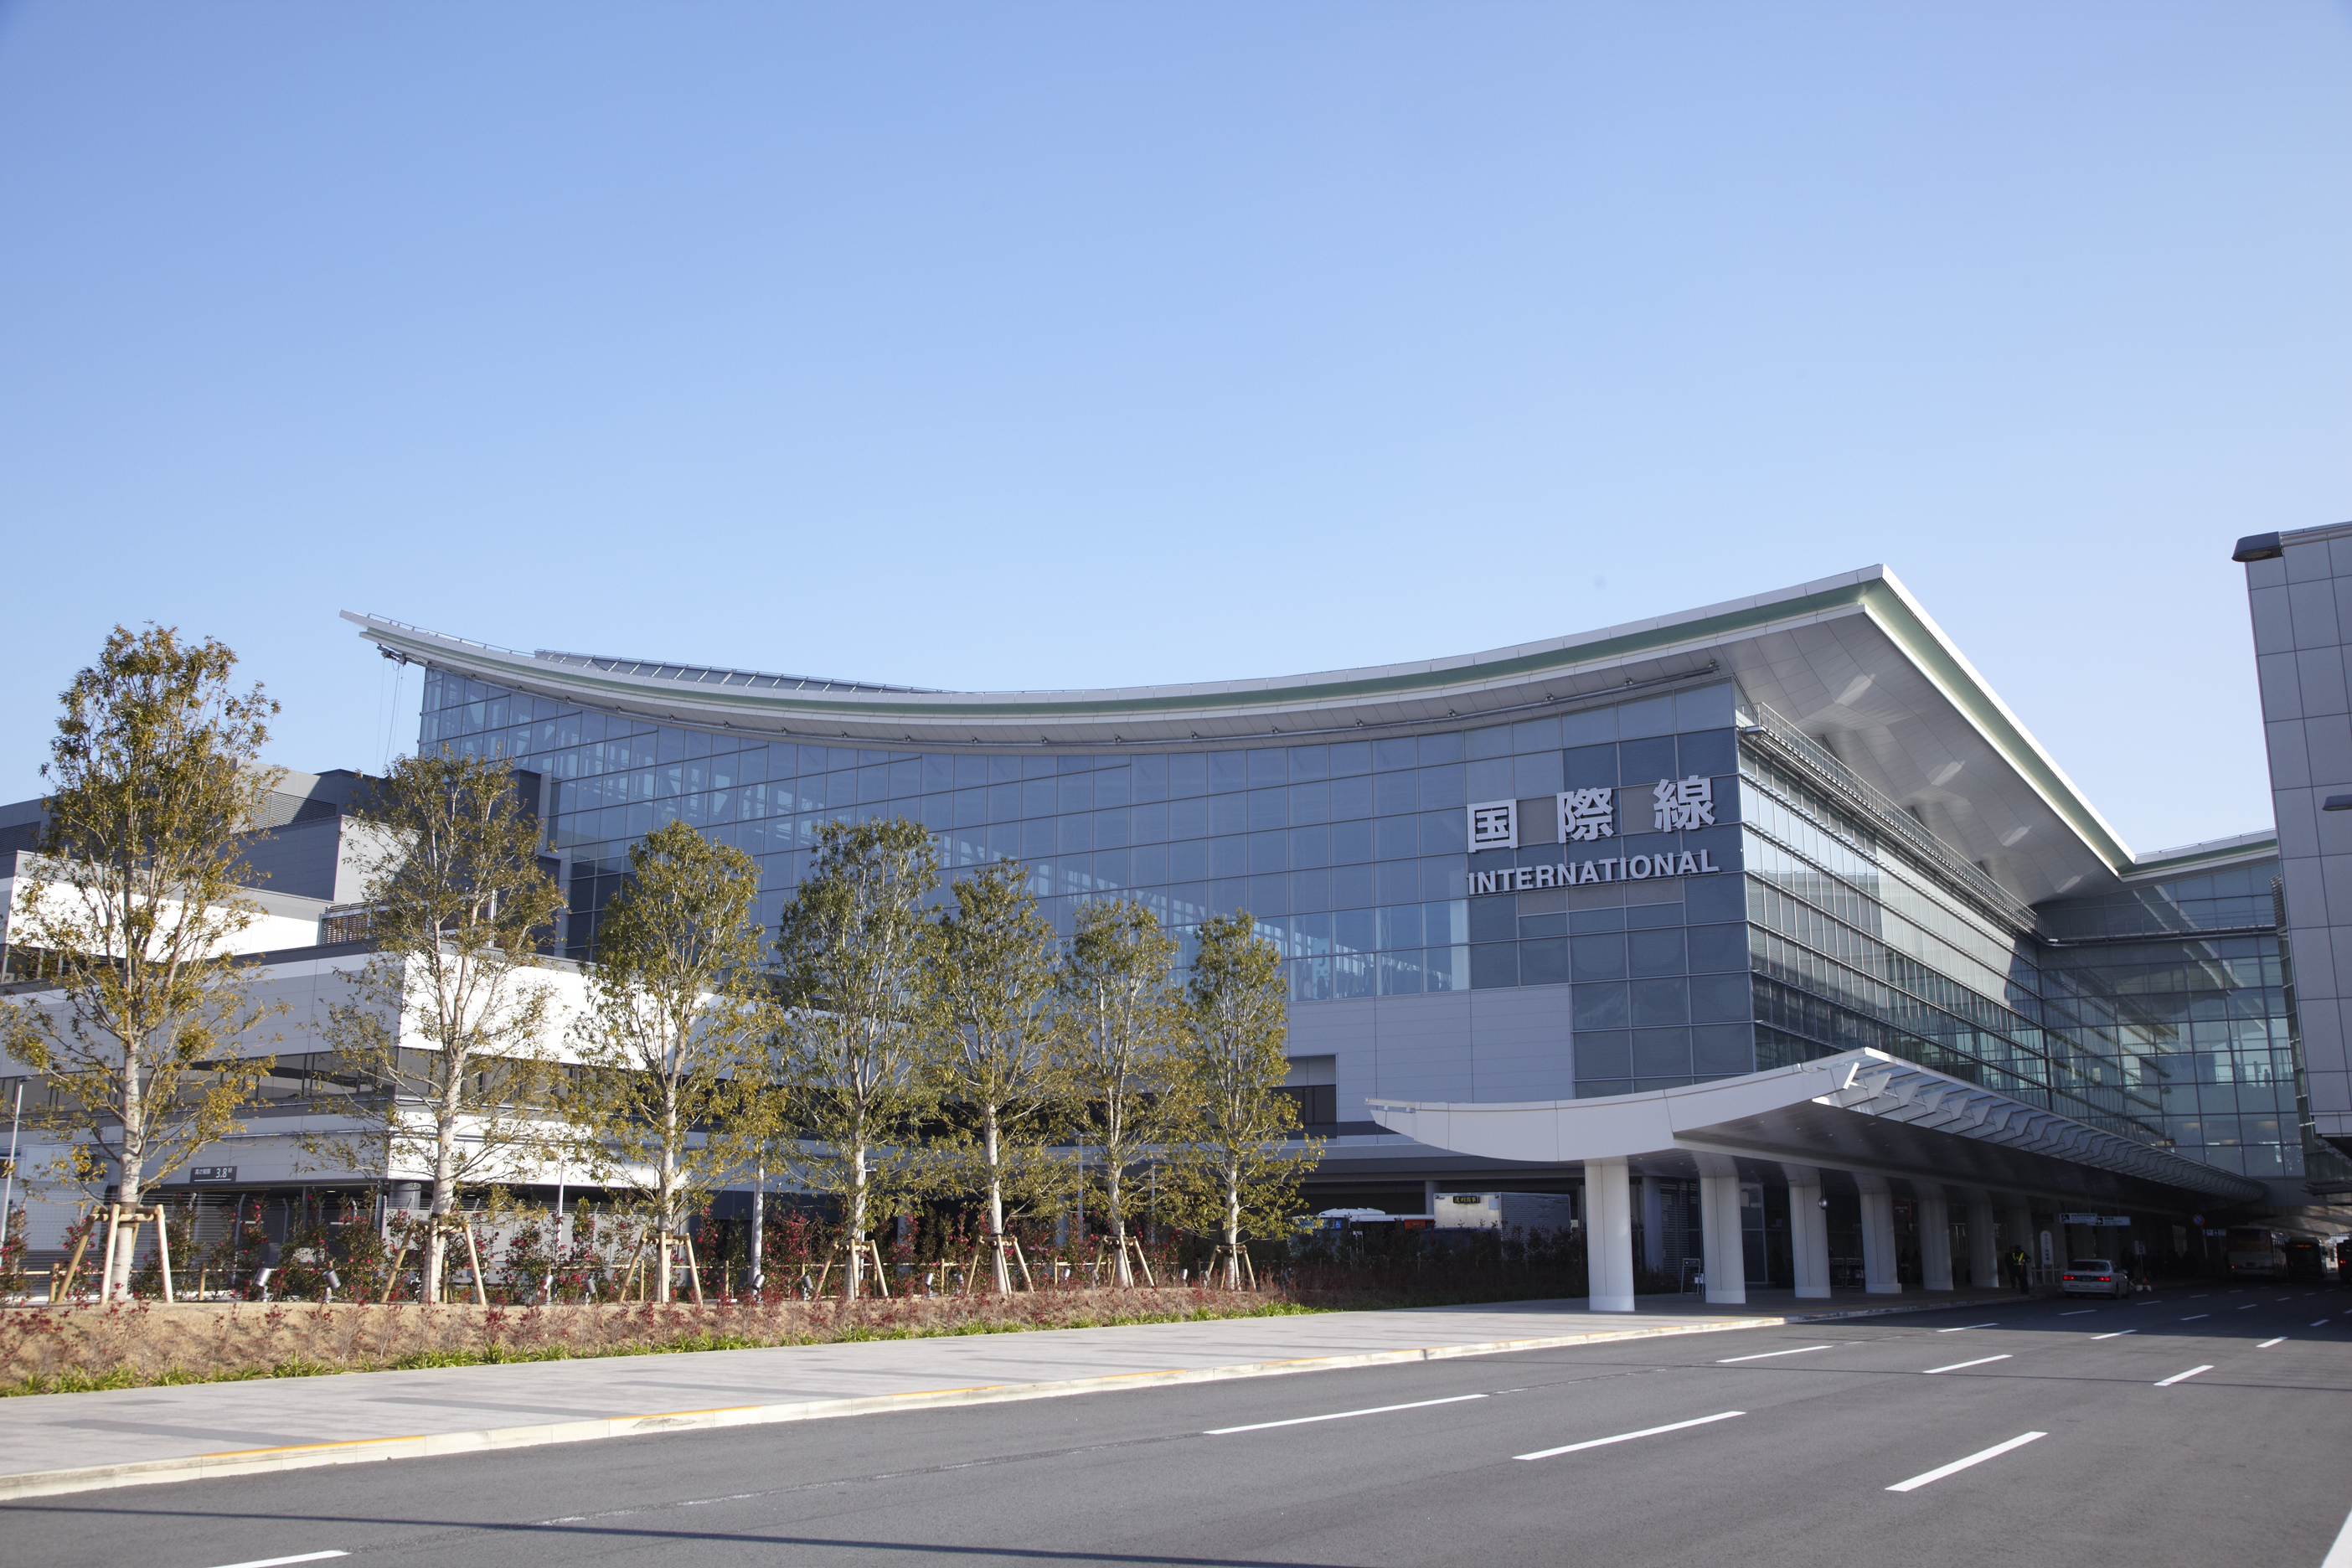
[
  {"x": 1572, "y": 873},
  {"x": 1587, "y": 816}
]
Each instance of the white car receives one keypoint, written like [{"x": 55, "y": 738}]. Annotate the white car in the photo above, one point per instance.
[{"x": 2096, "y": 1277}]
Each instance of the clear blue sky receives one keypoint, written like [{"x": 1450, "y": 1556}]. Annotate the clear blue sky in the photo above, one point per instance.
[{"x": 1015, "y": 346}]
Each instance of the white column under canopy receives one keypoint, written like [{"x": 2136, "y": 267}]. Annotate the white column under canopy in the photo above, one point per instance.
[
  {"x": 1934, "y": 1241},
  {"x": 1608, "y": 1235},
  {"x": 1984, "y": 1247},
  {"x": 1718, "y": 1213},
  {"x": 1808, "y": 1233},
  {"x": 1878, "y": 1260}
]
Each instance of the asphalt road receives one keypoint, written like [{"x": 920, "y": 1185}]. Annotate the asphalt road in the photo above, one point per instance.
[{"x": 2194, "y": 1428}]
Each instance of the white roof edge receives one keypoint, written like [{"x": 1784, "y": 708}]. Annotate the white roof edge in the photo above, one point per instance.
[
  {"x": 1464, "y": 665},
  {"x": 2042, "y": 753}
]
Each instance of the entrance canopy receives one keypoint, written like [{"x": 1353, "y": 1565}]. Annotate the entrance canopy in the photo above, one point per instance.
[{"x": 1862, "y": 1112}]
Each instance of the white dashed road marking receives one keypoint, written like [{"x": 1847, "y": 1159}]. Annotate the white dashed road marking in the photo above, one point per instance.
[
  {"x": 1628, "y": 1437},
  {"x": 1337, "y": 1415},
  {"x": 1998, "y": 1449}
]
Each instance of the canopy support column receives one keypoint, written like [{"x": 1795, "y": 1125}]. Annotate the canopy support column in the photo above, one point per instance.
[
  {"x": 1608, "y": 1235},
  {"x": 1984, "y": 1248},
  {"x": 1726, "y": 1256},
  {"x": 1934, "y": 1242},
  {"x": 1808, "y": 1236},
  {"x": 1878, "y": 1267}
]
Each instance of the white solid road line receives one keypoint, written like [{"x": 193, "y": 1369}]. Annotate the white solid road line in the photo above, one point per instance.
[
  {"x": 2268, "y": 1343},
  {"x": 1964, "y": 1328},
  {"x": 1767, "y": 1355},
  {"x": 1938, "y": 1474},
  {"x": 2193, "y": 1371},
  {"x": 281, "y": 1561},
  {"x": 1628, "y": 1437},
  {"x": 2116, "y": 1335},
  {"x": 1957, "y": 1365},
  {"x": 1335, "y": 1416},
  {"x": 2340, "y": 1554}
]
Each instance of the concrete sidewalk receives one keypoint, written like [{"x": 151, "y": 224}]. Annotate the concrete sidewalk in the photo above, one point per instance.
[{"x": 78, "y": 1442}]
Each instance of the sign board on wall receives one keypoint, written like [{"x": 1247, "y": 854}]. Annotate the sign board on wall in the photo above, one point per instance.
[
  {"x": 212, "y": 1173},
  {"x": 1586, "y": 817}
]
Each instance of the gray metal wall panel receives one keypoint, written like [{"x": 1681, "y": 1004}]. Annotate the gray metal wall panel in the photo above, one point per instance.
[
  {"x": 1342, "y": 1031},
  {"x": 1520, "y": 1045},
  {"x": 1423, "y": 1048},
  {"x": 2300, "y": 603}
]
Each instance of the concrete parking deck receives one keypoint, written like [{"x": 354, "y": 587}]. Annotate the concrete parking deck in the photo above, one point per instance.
[{"x": 78, "y": 1442}]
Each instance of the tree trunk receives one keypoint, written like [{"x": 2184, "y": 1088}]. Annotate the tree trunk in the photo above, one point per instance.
[
  {"x": 444, "y": 1174},
  {"x": 1232, "y": 1228},
  {"x": 996, "y": 1213},
  {"x": 666, "y": 1196},
  {"x": 854, "y": 1276},
  {"x": 1123, "y": 1271},
  {"x": 760, "y": 1231},
  {"x": 127, "y": 1185}
]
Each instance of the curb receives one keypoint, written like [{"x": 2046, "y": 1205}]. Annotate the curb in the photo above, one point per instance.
[{"x": 361, "y": 1450}]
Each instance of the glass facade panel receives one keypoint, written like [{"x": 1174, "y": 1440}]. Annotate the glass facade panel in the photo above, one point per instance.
[{"x": 2161, "y": 1011}]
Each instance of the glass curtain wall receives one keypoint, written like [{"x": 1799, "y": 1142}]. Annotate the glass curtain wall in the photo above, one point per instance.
[
  {"x": 1351, "y": 855},
  {"x": 2157, "y": 1014},
  {"x": 2183, "y": 981}
]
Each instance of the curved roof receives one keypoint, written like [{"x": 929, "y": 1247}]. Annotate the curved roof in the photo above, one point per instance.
[{"x": 1850, "y": 660}]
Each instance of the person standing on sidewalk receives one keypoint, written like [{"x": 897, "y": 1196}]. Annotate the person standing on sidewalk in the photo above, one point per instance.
[{"x": 2020, "y": 1269}]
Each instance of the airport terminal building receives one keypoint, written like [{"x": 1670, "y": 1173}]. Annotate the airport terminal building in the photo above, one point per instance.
[{"x": 1766, "y": 928}]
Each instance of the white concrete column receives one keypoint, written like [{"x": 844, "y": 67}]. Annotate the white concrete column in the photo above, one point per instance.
[
  {"x": 1608, "y": 1235},
  {"x": 1934, "y": 1242},
  {"x": 1878, "y": 1271},
  {"x": 1984, "y": 1248},
  {"x": 1726, "y": 1259},
  {"x": 1808, "y": 1236},
  {"x": 1653, "y": 1225}
]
